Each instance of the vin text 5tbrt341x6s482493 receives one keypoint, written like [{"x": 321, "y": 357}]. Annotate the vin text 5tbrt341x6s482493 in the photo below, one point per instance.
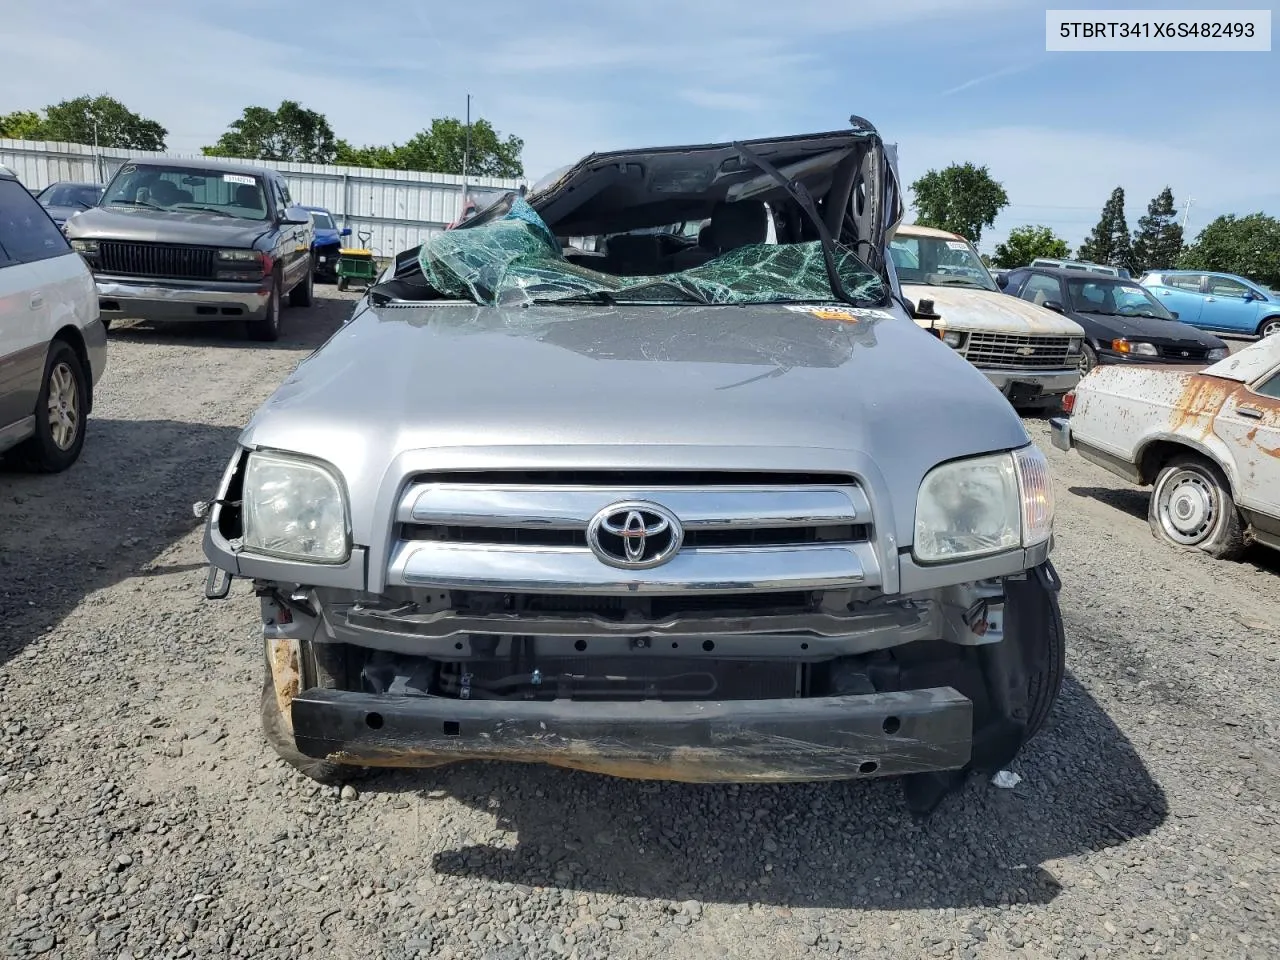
[
  {"x": 659, "y": 479},
  {"x": 193, "y": 240}
]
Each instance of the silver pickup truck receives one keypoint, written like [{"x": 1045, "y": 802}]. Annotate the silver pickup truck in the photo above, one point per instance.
[{"x": 681, "y": 505}]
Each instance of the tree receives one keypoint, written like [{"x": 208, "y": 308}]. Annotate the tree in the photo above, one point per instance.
[
  {"x": 20, "y": 125},
  {"x": 290, "y": 132},
  {"x": 1246, "y": 246},
  {"x": 1028, "y": 242},
  {"x": 1109, "y": 242},
  {"x": 961, "y": 198},
  {"x": 1157, "y": 242},
  {"x": 440, "y": 149},
  {"x": 101, "y": 119}
]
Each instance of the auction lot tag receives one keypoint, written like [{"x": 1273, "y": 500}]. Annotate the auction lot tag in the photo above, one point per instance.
[
  {"x": 843, "y": 314},
  {"x": 238, "y": 178},
  {"x": 957, "y": 245}
]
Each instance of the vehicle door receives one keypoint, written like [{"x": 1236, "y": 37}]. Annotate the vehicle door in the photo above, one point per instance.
[
  {"x": 1181, "y": 293},
  {"x": 31, "y": 293},
  {"x": 292, "y": 249},
  {"x": 1229, "y": 306},
  {"x": 1249, "y": 426}
]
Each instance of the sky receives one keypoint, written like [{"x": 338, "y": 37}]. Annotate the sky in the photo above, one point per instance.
[{"x": 947, "y": 82}]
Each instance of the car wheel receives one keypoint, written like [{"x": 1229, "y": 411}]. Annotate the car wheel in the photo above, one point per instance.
[
  {"x": 1191, "y": 507},
  {"x": 1088, "y": 359},
  {"x": 1046, "y": 661},
  {"x": 60, "y": 413},
  {"x": 300, "y": 296},
  {"x": 1269, "y": 327},
  {"x": 267, "y": 329},
  {"x": 324, "y": 671}
]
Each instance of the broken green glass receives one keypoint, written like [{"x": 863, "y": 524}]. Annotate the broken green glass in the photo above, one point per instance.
[{"x": 517, "y": 259}]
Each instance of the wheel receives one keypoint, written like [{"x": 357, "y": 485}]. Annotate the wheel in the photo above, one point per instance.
[
  {"x": 1044, "y": 646},
  {"x": 325, "y": 671},
  {"x": 1191, "y": 507},
  {"x": 1088, "y": 359},
  {"x": 268, "y": 328},
  {"x": 59, "y": 414},
  {"x": 342, "y": 283},
  {"x": 300, "y": 296},
  {"x": 1269, "y": 327}
]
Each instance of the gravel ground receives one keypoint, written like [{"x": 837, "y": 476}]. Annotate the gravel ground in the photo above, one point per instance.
[{"x": 143, "y": 816}]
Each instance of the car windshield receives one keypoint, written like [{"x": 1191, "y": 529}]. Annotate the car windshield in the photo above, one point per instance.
[
  {"x": 191, "y": 189},
  {"x": 939, "y": 261},
  {"x": 322, "y": 220},
  {"x": 516, "y": 258},
  {"x": 70, "y": 195},
  {"x": 1114, "y": 298}
]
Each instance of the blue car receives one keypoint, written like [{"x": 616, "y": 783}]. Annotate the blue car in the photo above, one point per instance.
[
  {"x": 325, "y": 246},
  {"x": 1221, "y": 302}
]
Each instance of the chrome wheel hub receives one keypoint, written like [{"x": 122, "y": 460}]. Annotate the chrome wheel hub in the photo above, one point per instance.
[
  {"x": 64, "y": 407},
  {"x": 1188, "y": 510}
]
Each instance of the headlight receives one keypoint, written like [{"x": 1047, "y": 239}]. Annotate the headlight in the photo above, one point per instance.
[
  {"x": 953, "y": 338},
  {"x": 1218, "y": 353},
  {"x": 240, "y": 255},
  {"x": 984, "y": 505},
  {"x": 294, "y": 508},
  {"x": 89, "y": 247},
  {"x": 1073, "y": 346},
  {"x": 1136, "y": 348}
]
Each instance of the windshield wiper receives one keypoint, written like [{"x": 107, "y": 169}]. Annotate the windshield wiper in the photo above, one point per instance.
[
  {"x": 137, "y": 203},
  {"x": 800, "y": 194},
  {"x": 959, "y": 282},
  {"x": 200, "y": 209}
]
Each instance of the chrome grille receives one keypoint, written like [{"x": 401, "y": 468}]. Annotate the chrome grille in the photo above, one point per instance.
[
  {"x": 156, "y": 260},
  {"x": 1002, "y": 351},
  {"x": 527, "y": 534}
]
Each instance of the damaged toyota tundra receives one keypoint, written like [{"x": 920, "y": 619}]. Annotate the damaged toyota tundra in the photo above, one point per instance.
[{"x": 651, "y": 473}]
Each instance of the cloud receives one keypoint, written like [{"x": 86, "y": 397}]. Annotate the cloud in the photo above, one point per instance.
[
  {"x": 726, "y": 100},
  {"x": 995, "y": 75}
]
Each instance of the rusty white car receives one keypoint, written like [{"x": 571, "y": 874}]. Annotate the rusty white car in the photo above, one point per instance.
[
  {"x": 1030, "y": 353},
  {"x": 1208, "y": 440}
]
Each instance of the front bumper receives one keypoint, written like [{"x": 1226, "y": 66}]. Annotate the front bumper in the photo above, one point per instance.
[
  {"x": 1060, "y": 433},
  {"x": 123, "y": 299},
  {"x": 795, "y": 740},
  {"x": 1042, "y": 383}
]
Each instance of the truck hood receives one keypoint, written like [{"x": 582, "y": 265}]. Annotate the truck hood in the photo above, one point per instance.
[
  {"x": 990, "y": 312},
  {"x": 693, "y": 384},
  {"x": 165, "y": 226}
]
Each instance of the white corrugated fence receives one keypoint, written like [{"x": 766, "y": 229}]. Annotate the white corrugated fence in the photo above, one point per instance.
[{"x": 400, "y": 207}]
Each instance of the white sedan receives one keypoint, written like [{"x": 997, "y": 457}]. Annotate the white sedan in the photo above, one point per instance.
[{"x": 1208, "y": 440}]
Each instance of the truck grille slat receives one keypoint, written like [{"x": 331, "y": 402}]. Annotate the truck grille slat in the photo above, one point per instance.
[
  {"x": 1013, "y": 351},
  {"x": 156, "y": 260},
  {"x": 528, "y": 533}
]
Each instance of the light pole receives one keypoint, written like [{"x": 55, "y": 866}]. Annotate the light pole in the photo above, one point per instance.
[{"x": 466, "y": 155}]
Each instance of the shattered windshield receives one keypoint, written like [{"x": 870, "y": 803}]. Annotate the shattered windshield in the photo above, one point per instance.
[{"x": 518, "y": 259}]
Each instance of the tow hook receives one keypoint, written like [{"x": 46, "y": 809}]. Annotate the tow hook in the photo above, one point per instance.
[{"x": 217, "y": 584}]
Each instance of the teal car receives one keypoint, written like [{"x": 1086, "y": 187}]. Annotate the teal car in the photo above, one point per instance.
[{"x": 1221, "y": 302}]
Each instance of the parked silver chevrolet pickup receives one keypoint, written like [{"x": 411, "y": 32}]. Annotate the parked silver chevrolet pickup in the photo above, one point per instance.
[{"x": 693, "y": 507}]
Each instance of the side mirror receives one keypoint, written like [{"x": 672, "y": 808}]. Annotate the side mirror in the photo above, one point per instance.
[
  {"x": 924, "y": 310},
  {"x": 1002, "y": 281},
  {"x": 297, "y": 214},
  {"x": 1174, "y": 314},
  {"x": 1053, "y": 305},
  {"x": 345, "y": 232},
  {"x": 1250, "y": 296}
]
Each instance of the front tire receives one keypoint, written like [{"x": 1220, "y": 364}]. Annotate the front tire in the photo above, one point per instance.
[
  {"x": 1192, "y": 508},
  {"x": 267, "y": 330},
  {"x": 1269, "y": 327},
  {"x": 61, "y": 407},
  {"x": 1088, "y": 359}
]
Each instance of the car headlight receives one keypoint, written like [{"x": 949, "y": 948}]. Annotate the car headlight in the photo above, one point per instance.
[
  {"x": 1218, "y": 353},
  {"x": 1135, "y": 347},
  {"x": 89, "y": 247},
  {"x": 953, "y": 338},
  {"x": 984, "y": 505},
  {"x": 294, "y": 508},
  {"x": 243, "y": 256},
  {"x": 1074, "y": 346}
]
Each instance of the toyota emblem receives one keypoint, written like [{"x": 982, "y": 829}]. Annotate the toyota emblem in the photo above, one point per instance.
[{"x": 634, "y": 534}]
